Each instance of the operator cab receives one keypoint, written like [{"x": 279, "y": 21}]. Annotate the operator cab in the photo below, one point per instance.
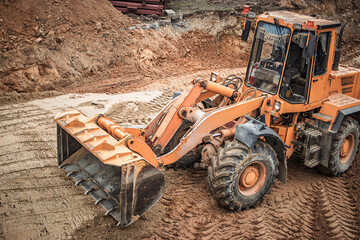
[{"x": 282, "y": 56}]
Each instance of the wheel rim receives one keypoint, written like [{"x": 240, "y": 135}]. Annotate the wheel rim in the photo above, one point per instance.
[
  {"x": 252, "y": 178},
  {"x": 347, "y": 148}
]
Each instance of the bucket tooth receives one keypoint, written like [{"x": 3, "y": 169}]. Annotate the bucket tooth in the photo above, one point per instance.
[
  {"x": 100, "y": 200},
  {"x": 98, "y": 195},
  {"x": 89, "y": 185},
  {"x": 70, "y": 174},
  {"x": 71, "y": 168},
  {"x": 80, "y": 177},
  {"x": 90, "y": 190},
  {"x": 110, "y": 205},
  {"x": 80, "y": 181},
  {"x": 110, "y": 211}
]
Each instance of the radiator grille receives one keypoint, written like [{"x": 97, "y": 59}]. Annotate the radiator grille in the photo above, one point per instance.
[
  {"x": 347, "y": 80},
  {"x": 347, "y": 90}
]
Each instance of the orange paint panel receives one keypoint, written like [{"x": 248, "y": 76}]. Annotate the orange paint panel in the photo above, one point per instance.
[
  {"x": 342, "y": 101},
  {"x": 144, "y": 150},
  {"x": 219, "y": 89},
  {"x": 113, "y": 128},
  {"x": 172, "y": 121},
  {"x": 357, "y": 84},
  {"x": 153, "y": 125},
  {"x": 205, "y": 95},
  {"x": 210, "y": 121},
  {"x": 96, "y": 140}
]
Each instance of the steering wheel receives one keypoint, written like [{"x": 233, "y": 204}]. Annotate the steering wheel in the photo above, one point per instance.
[{"x": 267, "y": 63}]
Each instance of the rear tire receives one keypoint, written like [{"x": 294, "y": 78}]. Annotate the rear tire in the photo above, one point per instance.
[
  {"x": 343, "y": 148},
  {"x": 239, "y": 177},
  {"x": 189, "y": 159}
]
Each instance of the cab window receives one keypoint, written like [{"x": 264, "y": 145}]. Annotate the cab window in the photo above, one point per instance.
[
  {"x": 268, "y": 56},
  {"x": 322, "y": 53},
  {"x": 297, "y": 67}
]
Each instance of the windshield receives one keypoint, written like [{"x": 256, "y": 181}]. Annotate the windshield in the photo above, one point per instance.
[{"x": 268, "y": 56}]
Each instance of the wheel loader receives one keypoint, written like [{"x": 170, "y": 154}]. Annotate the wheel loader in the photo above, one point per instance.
[{"x": 294, "y": 99}]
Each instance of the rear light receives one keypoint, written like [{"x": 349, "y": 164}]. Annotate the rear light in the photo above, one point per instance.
[
  {"x": 246, "y": 10},
  {"x": 310, "y": 24},
  {"x": 252, "y": 80}
]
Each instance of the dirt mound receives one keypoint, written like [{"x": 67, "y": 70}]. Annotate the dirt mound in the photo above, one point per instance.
[
  {"x": 87, "y": 47},
  {"x": 24, "y": 21},
  {"x": 45, "y": 45}
]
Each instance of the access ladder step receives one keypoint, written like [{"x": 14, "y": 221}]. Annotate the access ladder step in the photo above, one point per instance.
[
  {"x": 312, "y": 163},
  {"x": 315, "y": 148},
  {"x": 312, "y": 132},
  {"x": 322, "y": 116}
]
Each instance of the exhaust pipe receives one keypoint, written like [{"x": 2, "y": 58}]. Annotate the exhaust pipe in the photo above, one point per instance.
[{"x": 336, "y": 63}]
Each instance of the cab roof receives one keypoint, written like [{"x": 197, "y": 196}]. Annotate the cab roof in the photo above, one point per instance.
[{"x": 291, "y": 17}]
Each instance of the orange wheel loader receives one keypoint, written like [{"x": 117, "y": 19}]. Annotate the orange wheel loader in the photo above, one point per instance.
[{"x": 294, "y": 98}]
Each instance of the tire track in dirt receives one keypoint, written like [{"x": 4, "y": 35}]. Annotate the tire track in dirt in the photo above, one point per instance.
[
  {"x": 124, "y": 115},
  {"x": 339, "y": 208},
  {"x": 36, "y": 199},
  {"x": 309, "y": 206}
]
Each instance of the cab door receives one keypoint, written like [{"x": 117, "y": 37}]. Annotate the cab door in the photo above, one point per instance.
[{"x": 319, "y": 85}]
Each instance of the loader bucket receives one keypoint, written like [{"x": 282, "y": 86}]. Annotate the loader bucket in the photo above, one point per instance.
[{"x": 123, "y": 182}]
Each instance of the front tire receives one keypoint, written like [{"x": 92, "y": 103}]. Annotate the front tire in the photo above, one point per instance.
[
  {"x": 239, "y": 177},
  {"x": 190, "y": 158},
  {"x": 343, "y": 148}
]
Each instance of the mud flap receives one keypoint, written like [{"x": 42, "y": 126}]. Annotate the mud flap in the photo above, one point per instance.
[{"x": 126, "y": 192}]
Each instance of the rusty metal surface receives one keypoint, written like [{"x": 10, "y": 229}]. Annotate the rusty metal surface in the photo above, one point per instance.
[{"x": 141, "y": 7}]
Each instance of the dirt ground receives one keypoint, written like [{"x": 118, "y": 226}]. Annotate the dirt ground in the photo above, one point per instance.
[
  {"x": 39, "y": 201},
  {"x": 58, "y": 55}
]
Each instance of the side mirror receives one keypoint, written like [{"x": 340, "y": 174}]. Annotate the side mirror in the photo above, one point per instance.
[
  {"x": 246, "y": 30},
  {"x": 309, "y": 49}
]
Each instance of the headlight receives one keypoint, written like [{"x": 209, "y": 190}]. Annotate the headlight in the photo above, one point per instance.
[
  {"x": 214, "y": 76},
  {"x": 277, "y": 106}
]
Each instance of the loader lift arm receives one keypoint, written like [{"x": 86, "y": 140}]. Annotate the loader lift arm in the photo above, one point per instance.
[{"x": 210, "y": 121}]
